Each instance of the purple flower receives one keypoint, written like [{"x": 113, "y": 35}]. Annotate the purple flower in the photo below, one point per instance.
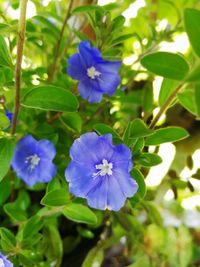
[
  {"x": 99, "y": 171},
  {"x": 4, "y": 262},
  {"x": 9, "y": 115},
  {"x": 96, "y": 75},
  {"x": 32, "y": 160}
]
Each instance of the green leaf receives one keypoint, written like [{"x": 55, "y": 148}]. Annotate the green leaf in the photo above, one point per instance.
[
  {"x": 149, "y": 160},
  {"x": 191, "y": 20},
  {"x": 6, "y": 153},
  {"x": 168, "y": 134},
  {"x": 187, "y": 100},
  {"x": 194, "y": 75},
  {"x": 139, "y": 178},
  {"x": 5, "y": 58},
  {"x": 4, "y": 121},
  {"x": 94, "y": 258},
  {"x": 167, "y": 87},
  {"x": 102, "y": 129},
  {"x": 58, "y": 197},
  {"x": 197, "y": 99},
  {"x": 79, "y": 213},
  {"x": 6, "y": 185},
  {"x": 50, "y": 98},
  {"x": 168, "y": 65},
  {"x": 138, "y": 129},
  {"x": 86, "y": 9},
  {"x": 153, "y": 213},
  {"x": 32, "y": 226},
  {"x": 14, "y": 212},
  {"x": 8, "y": 240},
  {"x": 72, "y": 120}
]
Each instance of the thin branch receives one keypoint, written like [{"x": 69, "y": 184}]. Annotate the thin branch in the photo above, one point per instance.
[
  {"x": 165, "y": 106},
  {"x": 54, "y": 65},
  {"x": 20, "y": 46}
]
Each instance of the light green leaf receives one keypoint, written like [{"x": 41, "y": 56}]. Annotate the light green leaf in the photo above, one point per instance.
[
  {"x": 139, "y": 178},
  {"x": 50, "y": 98},
  {"x": 86, "y": 9},
  {"x": 6, "y": 153},
  {"x": 197, "y": 98},
  {"x": 94, "y": 258},
  {"x": 5, "y": 58},
  {"x": 168, "y": 65},
  {"x": 194, "y": 75},
  {"x": 8, "y": 240},
  {"x": 4, "y": 121},
  {"x": 79, "y": 213},
  {"x": 187, "y": 100},
  {"x": 13, "y": 211},
  {"x": 191, "y": 20},
  {"x": 58, "y": 197},
  {"x": 167, "y": 87},
  {"x": 168, "y": 134},
  {"x": 102, "y": 128}
]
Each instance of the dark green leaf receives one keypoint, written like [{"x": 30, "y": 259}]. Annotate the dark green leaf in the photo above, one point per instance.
[
  {"x": 6, "y": 153},
  {"x": 72, "y": 120},
  {"x": 168, "y": 134},
  {"x": 168, "y": 65},
  {"x": 32, "y": 226},
  {"x": 55, "y": 198},
  {"x": 50, "y": 98},
  {"x": 197, "y": 98},
  {"x": 14, "y": 212},
  {"x": 102, "y": 128},
  {"x": 79, "y": 213},
  {"x": 149, "y": 160},
  {"x": 191, "y": 19}
]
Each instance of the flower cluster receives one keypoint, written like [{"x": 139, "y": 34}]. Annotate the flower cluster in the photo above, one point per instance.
[
  {"x": 100, "y": 172},
  {"x": 4, "y": 262},
  {"x": 96, "y": 75}
]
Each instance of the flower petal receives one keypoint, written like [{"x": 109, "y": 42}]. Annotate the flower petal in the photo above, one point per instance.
[
  {"x": 45, "y": 174},
  {"x": 88, "y": 92},
  {"x": 89, "y": 55},
  {"x": 75, "y": 69},
  {"x": 46, "y": 149},
  {"x": 108, "y": 83},
  {"x": 109, "y": 66},
  {"x": 127, "y": 184},
  {"x": 97, "y": 197}
]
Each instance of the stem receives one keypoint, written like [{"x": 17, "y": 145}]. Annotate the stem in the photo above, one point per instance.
[
  {"x": 58, "y": 44},
  {"x": 165, "y": 106},
  {"x": 20, "y": 46}
]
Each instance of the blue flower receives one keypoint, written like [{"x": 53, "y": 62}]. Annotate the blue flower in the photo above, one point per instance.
[
  {"x": 4, "y": 262},
  {"x": 100, "y": 171},
  {"x": 96, "y": 75},
  {"x": 32, "y": 160},
  {"x": 9, "y": 115}
]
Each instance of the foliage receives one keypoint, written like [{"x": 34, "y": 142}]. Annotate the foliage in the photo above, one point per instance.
[{"x": 45, "y": 225}]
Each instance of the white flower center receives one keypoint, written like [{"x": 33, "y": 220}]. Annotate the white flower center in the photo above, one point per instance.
[
  {"x": 93, "y": 73},
  {"x": 104, "y": 168},
  {"x": 33, "y": 161},
  {"x": 1, "y": 263}
]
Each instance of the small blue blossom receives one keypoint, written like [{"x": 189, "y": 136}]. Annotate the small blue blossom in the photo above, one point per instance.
[
  {"x": 4, "y": 262},
  {"x": 9, "y": 115},
  {"x": 96, "y": 75},
  {"x": 100, "y": 171},
  {"x": 32, "y": 160}
]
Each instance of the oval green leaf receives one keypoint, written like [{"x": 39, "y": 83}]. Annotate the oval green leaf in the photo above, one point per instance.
[
  {"x": 6, "y": 153},
  {"x": 79, "y": 213},
  {"x": 168, "y": 134},
  {"x": 168, "y": 65},
  {"x": 191, "y": 20},
  {"x": 55, "y": 198},
  {"x": 50, "y": 98}
]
